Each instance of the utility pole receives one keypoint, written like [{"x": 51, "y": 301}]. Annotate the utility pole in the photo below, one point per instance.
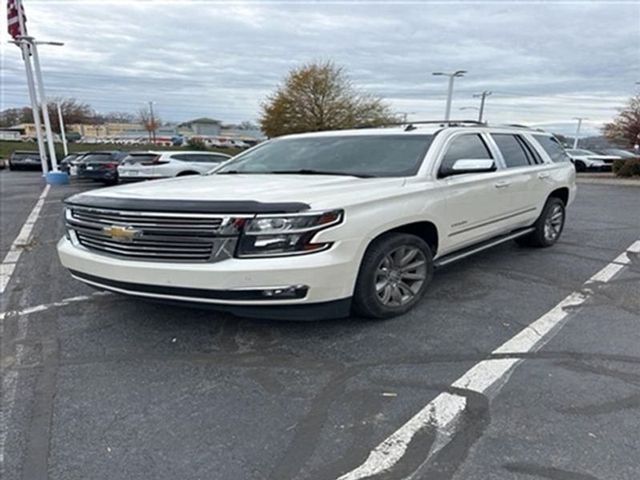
[
  {"x": 64, "y": 137},
  {"x": 575, "y": 140},
  {"x": 483, "y": 97},
  {"x": 452, "y": 76},
  {"x": 152, "y": 123}
]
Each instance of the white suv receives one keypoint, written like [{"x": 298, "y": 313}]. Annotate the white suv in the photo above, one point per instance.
[
  {"x": 323, "y": 224},
  {"x": 149, "y": 165}
]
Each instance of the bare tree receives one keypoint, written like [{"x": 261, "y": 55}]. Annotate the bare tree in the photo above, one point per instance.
[{"x": 150, "y": 121}]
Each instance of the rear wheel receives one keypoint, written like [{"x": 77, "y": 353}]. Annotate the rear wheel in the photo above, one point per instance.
[
  {"x": 393, "y": 277},
  {"x": 548, "y": 227}
]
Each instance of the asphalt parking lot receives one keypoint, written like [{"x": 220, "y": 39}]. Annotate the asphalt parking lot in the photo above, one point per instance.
[{"x": 107, "y": 387}]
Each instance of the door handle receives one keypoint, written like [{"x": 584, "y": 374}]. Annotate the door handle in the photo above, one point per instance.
[
  {"x": 543, "y": 175},
  {"x": 501, "y": 184}
]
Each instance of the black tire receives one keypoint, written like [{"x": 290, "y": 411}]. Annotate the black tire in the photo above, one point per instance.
[
  {"x": 367, "y": 301},
  {"x": 580, "y": 166},
  {"x": 541, "y": 237}
]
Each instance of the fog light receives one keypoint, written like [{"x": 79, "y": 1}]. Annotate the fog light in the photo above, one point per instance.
[{"x": 293, "y": 291}]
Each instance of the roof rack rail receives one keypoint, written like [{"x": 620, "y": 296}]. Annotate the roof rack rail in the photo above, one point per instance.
[{"x": 410, "y": 124}]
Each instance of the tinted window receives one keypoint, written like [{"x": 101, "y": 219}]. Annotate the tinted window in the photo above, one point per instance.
[
  {"x": 360, "y": 155},
  {"x": 464, "y": 147},
  {"x": 183, "y": 156},
  {"x": 24, "y": 155},
  {"x": 553, "y": 148},
  {"x": 97, "y": 157},
  {"x": 212, "y": 158},
  {"x": 512, "y": 150}
]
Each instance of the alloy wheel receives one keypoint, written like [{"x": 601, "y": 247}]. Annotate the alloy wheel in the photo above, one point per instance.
[{"x": 400, "y": 276}]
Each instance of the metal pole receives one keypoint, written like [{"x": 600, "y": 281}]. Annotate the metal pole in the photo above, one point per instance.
[
  {"x": 153, "y": 123},
  {"x": 24, "y": 46},
  {"x": 43, "y": 102},
  {"x": 575, "y": 140},
  {"x": 26, "y": 56},
  {"x": 447, "y": 113},
  {"x": 483, "y": 97},
  {"x": 64, "y": 137}
]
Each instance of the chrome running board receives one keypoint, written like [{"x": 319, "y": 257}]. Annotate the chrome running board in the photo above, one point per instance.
[{"x": 472, "y": 250}]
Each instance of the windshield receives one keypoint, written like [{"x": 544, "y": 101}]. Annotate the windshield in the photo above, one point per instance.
[{"x": 357, "y": 155}]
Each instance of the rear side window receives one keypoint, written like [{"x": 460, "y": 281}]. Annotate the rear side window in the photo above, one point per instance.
[
  {"x": 512, "y": 150},
  {"x": 469, "y": 146},
  {"x": 213, "y": 158},
  {"x": 553, "y": 148}
]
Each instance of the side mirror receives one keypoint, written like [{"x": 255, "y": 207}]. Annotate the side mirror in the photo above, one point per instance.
[{"x": 470, "y": 165}]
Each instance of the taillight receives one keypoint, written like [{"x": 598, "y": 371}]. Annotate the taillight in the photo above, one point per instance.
[{"x": 111, "y": 165}]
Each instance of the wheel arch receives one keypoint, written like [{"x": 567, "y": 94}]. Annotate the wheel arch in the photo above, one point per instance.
[
  {"x": 426, "y": 230},
  {"x": 561, "y": 193}
]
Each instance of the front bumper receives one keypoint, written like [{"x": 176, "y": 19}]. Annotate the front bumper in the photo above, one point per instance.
[{"x": 234, "y": 284}]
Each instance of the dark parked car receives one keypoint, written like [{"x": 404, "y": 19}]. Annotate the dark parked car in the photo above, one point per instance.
[
  {"x": 24, "y": 160},
  {"x": 101, "y": 166}
]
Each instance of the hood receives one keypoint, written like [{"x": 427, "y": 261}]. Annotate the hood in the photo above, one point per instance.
[{"x": 316, "y": 191}]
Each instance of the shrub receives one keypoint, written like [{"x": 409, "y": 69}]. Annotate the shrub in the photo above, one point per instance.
[
  {"x": 627, "y": 168},
  {"x": 196, "y": 144}
]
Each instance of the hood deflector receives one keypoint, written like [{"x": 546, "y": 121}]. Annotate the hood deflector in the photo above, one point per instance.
[{"x": 186, "y": 206}]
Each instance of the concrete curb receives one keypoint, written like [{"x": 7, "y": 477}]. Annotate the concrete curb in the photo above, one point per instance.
[{"x": 624, "y": 182}]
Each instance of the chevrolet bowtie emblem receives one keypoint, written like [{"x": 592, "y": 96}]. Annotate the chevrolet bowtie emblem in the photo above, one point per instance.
[{"x": 122, "y": 234}]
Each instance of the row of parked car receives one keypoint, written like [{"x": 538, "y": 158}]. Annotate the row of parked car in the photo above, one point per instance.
[{"x": 112, "y": 166}]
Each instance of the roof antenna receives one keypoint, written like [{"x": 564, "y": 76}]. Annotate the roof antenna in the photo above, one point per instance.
[{"x": 409, "y": 127}]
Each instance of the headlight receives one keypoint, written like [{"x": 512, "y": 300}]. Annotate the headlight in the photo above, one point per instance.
[{"x": 285, "y": 234}]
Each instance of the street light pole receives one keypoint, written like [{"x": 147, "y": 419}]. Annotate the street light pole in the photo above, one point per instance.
[
  {"x": 152, "y": 124},
  {"x": 575, "y": 140},
  {"x": 24, "y": 46},
  {"x": 43, "y": 102},
  {"x": 452, "y": 76},
  {"x": 64, "y": 137},
  {"x": 483, "y": 97}
]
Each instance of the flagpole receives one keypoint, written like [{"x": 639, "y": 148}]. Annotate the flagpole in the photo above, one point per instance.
[
  {"x": 43, "y": 102},
  {"x": 24, "y": 46}
]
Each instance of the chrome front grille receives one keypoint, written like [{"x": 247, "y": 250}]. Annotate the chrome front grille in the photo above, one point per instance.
[{"x": 174, "y": 237}]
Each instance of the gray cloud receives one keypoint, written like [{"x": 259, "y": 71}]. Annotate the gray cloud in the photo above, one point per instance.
[{"x": 546, "y": 62}]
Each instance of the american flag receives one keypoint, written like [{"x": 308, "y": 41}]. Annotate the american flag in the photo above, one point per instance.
[{"x": 14, "y": 10}]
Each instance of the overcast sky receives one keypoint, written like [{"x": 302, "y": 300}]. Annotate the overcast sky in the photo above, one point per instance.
[{"x": 546, "y": 62}]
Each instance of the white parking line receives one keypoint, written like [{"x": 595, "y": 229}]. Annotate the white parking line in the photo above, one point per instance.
[
  {"x": 8, "y": 265},
  {"x": 486, "y": 377},
  {"x": 46, "y": 306}
]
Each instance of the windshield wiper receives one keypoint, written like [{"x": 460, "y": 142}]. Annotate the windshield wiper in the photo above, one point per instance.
[{"x": 307, "y": 171}]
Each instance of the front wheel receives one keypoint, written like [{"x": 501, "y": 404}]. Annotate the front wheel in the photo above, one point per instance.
[
  {"x": 548, "y": 227},
  {"x": 393, "y": 277}
]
